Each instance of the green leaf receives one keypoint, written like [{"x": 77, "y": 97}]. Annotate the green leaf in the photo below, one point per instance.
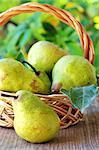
[
  {"x": 49, "y": 28},
  {"x": 82, "y": 97},
  {"x": 25, "y": 38},
  {"x": 74, "y": 48}
]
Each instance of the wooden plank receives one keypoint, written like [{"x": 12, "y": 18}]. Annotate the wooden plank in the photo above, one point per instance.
[{"x": 83, "y": 136}]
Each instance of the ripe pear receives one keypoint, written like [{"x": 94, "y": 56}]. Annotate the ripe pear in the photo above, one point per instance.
[
  {"x": 34, "y": 120},
  {"x": 43, "y": 55},
  {"x": 15, "y": 76},
  {"x": 72, "y": 71}
]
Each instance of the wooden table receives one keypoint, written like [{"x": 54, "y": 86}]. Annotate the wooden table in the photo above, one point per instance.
[{"x": 83, "y": 136}]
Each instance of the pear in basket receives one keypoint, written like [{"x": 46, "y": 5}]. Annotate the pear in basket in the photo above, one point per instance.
[
  {"x": 15, "y": 76},
  {"x": 34, "y": 120},
  {"x": 43, "y": 55},
  {"x": 72, "y": 71}
]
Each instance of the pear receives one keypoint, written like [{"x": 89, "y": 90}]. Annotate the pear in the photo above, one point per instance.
[
  {"x": 15, "y": 76},
  {"x": 34, "y": 120},
  {"x": 43, "y": 55},
  {"x": 72, "y": 71}
]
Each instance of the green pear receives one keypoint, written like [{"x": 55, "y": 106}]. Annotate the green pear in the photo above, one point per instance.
[
  {"x": 15, "y": 76},
  {"x": 43, "y": 55},
  {"x": 34, "y": 120},
  {"x": 72, "y": 71}
]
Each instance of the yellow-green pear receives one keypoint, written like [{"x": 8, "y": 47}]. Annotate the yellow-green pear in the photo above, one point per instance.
[
  {"x": 15, "y": 76},
  {"x": 72, "y": 71},
  {"x": 34, "y": 120},
  {"x": 43, "y": 55}
]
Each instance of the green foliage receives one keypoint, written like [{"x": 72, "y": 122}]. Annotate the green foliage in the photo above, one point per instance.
[
  {"x": 22, "y": 31},
  {"x": 82, "y": 97}
]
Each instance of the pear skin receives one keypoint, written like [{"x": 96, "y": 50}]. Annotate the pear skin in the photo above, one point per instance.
[
  {"x": 15, "y": 76},
  {"x": 34, "y": 120},
  {"x": 11, "y": 74},
  {"x": 43, "y": 55},
  {"x": 72, "y": 71},
  {"x": 36, "y": 83}
]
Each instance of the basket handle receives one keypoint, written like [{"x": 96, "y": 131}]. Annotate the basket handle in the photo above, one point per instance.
[{"x": 62, "y": 15}]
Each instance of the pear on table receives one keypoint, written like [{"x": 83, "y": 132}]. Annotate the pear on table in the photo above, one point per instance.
[
  {"x": 34, "y": 120},
  {"x": 15, "y": 76}
]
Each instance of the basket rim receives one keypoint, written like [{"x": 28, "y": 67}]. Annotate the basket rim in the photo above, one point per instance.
[{"x": 61, "y": 104}]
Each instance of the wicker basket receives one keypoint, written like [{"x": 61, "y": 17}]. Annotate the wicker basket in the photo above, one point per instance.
[{"x": 60, "y": 103}]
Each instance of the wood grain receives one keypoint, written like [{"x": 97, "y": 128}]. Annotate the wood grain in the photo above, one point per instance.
[{"x": 83, "y": 136}]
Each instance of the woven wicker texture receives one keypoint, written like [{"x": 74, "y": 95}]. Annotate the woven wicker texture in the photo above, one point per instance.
[{"x": 61, "y": 104}]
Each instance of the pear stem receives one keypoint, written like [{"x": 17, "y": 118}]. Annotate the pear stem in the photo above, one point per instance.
[{"x": 36, "y": 72}]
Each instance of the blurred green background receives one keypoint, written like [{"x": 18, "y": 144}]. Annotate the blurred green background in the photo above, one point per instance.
[{"x": 17, "y": 36}]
